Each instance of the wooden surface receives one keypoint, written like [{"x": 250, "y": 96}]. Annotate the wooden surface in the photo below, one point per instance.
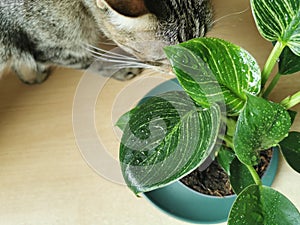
[{"x": 44, "y": 179}]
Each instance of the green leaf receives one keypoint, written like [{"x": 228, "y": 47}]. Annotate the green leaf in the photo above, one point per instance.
[
  {"x": 290, "y": 148},
  {"x": 261, "y": 205},
  {"x": 123, "y": 121},
  {"x": 240, "y": 177},
  {"x": 289, "y": 63},
  {"x": 167, "y": 137},
  {"x": 214, "y": 70},
  {"x": 261, "y": 125},
  {"x": 279, "y": 20},
  {"x": 225, "y": 157}
]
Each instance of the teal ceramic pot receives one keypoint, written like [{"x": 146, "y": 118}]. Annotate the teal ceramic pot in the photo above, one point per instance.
[{"x": 188, "y": 205}]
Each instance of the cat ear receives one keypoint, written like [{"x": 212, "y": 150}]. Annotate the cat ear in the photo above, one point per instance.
[{"x": 131, "y": 8}]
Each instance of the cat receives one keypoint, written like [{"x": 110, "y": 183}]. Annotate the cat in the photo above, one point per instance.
[{"x": 36, "y": 34}]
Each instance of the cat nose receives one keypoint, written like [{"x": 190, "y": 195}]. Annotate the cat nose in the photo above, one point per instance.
[{"x": 130, "y": 8}]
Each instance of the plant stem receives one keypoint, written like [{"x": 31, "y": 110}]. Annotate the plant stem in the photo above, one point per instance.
[
  {"x": 231, "y": 126},
  {"x": 291, "y": 101},
  {"x": 271, "y": 85},
  {"x": 254, "y": 174},
  {"x": 228, "y": 141},
  {"x": 273, "y": 57}
]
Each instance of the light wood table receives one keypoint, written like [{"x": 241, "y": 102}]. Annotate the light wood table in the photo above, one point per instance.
[{"x": 44, "y": 180}]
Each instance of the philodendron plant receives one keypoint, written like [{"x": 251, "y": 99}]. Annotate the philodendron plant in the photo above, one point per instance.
[{"x": 222, "y": 110}]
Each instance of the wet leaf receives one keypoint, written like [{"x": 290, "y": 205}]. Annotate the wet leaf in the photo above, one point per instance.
[
  {"x": 225, "y": 157},
  {"x": 240, "y": 177},
  {"x": 261, "y": 205},
  {"x": 290, "y": 148},
  {"x": 166, "y": 137},
  {"x": 289, "y": 63},
  {"x": 279, "y": 20},
  {"x": 213, "y": 70},
  {"x": 261, "y": 125}
]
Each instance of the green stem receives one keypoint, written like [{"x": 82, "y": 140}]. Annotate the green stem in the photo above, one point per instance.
[
  {"x": 291, "y": 101},
  {"x": 228, "y": 141},
  {"x": 271, "y": 86},
  {"x": 254, "y": 174},
  {"x": 231, "y": 127},
  {"x": 272, "y": 60}
]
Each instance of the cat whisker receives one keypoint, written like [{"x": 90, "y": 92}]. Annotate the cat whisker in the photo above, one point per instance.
[
  {"x": 120, "y": 61},
  {"x": 109, "y": 54},
  {"x": 228, "y": 15},
  {"x": 108, "y": 43},
  {"x": 136, "y": 65},
  {"x": 106, "y": 56},
  {"x": 120, "y": 64}
]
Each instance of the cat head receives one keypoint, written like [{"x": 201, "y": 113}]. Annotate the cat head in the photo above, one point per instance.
[{"x": 144, "y": 27}]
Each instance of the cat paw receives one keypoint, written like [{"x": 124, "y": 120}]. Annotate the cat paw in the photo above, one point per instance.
[{"x": 30, "y": 77}]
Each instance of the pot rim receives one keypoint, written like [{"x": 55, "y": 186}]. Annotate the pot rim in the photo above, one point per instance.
[{"x": 213, "y": 202}]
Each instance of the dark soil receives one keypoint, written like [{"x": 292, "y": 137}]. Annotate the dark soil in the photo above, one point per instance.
[{"x": 214, "y": 180}]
